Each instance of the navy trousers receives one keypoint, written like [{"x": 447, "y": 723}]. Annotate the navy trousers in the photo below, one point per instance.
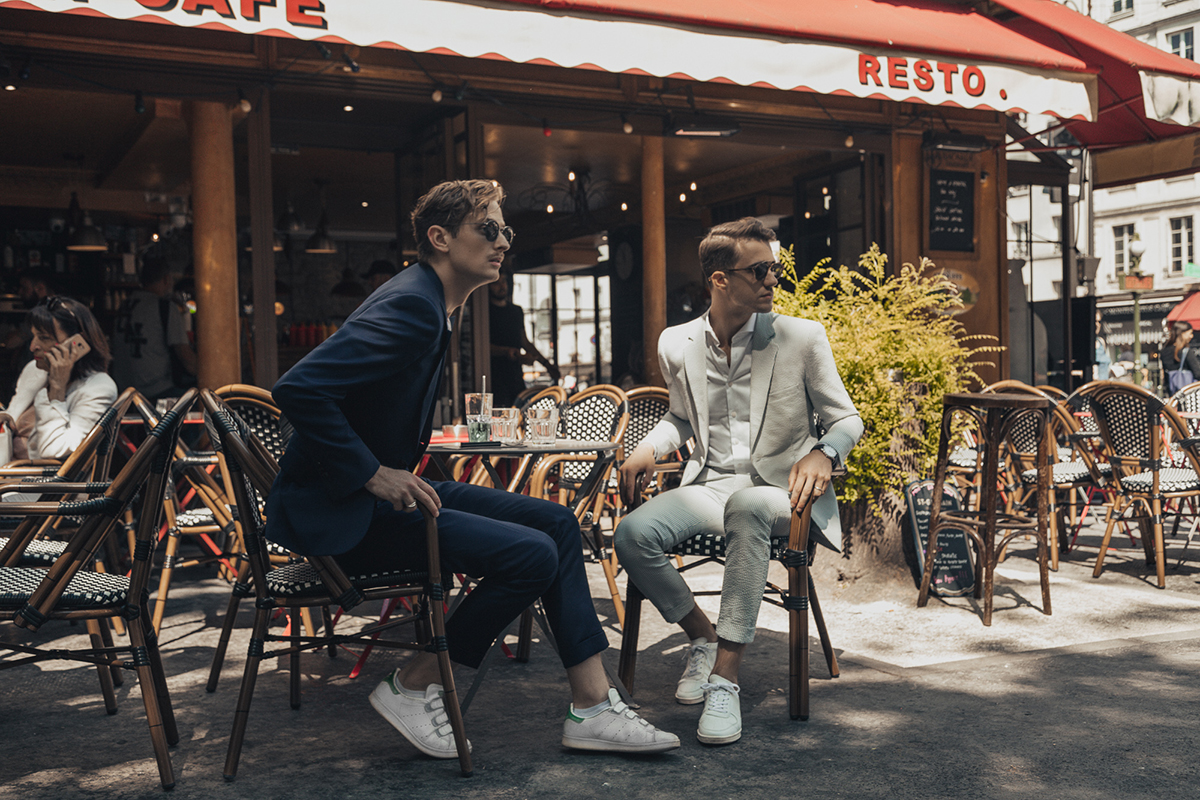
[{"x": 520, "y": 548}]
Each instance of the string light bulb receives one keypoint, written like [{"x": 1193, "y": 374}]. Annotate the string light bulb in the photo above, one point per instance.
[
  {"x": 693, "y": 186},
  {"x": 549, "y": 208},
  {"x": 624, "y": 206},
  {"x": 849, "y": 140},
  {"x": 244, "y": 102},
  {"x": 682, "y": 197},
  {"x": 571, "y": 176},
  {"x": 626, "y": 125},
  {"x": 436, "y": 96},
  {"x": 347, "y": 107}
]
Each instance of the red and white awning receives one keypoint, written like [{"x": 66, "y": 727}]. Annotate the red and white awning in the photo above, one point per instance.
[{"x": 921, "y": 51}]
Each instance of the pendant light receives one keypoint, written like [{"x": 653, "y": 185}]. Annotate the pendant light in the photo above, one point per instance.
[
  {"x": 86, "y": 237},
  {"x": 320, "y": 242}
]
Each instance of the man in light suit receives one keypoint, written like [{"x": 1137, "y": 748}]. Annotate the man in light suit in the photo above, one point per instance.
[
  {"x": 745, "y": 383},
  {"x": 361, "y": 405}
]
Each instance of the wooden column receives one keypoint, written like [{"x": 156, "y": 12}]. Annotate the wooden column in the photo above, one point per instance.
[
  {"x": 262, "y": 235},
  {"x": 214, "y": 245},
  {"x": 654, "y": 256}
]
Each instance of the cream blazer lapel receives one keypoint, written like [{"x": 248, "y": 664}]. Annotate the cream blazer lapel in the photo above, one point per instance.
[
  {"x": 695, "y": 366},
  {"x": 762, "y": 368}
]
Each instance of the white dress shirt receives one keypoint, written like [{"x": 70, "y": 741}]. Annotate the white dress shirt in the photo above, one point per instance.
[{"x": 729, "y": 399}]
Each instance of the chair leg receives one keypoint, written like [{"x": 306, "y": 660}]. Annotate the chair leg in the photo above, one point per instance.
[
  {"x": 103, "y": 671},
  {"x": 610, "y": 574},
  {"x": 525, "y": 636},
  {"x": 164, "y": 579},
  {"x": 1160, "y": 556},
  {"x": 165, "y": 709},
  {"x": 240, "y": 589},
  {"x": 118, "y": 674},
  {"x": 797, "y": 605},
  {"x": 1113, "y": 511},
  {"x": 437, "y": 621},
  {"x": 822, "y": 631},
  {"x": 627, "y": 664},
  {"x": 294, "y": 661},
  {"x": 327, "y": 620},
  {"x": 262, "y": 618},
  {"x": 150, "y": 697}
]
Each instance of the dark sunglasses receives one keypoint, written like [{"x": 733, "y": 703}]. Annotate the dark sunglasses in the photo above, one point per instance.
[
  {"x": 491, "y": 229},
  {"x": 761, "y": 269},
  {"x": 53, "y": 303}
]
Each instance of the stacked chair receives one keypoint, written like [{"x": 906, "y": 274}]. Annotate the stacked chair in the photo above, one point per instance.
[{"x": 69, "y": 590}]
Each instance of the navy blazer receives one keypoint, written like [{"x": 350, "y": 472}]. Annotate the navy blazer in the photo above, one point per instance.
[{"x": 363, "y": 398}]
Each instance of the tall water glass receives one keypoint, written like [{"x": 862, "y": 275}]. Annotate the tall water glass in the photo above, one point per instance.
[{"x": 479, "y": 417}]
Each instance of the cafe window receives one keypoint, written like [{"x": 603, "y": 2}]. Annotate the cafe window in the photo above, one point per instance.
[
  {"x": 1122, "y": 236},
  {"x": 1181, "y": 44},
  {"x": 1182, "y": 244},
  {"x": 1020, "y": 240}
]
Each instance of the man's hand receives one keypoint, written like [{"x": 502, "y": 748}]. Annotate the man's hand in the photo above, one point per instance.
[
  {"x": 634, "y": 473},
  {"x": 809, "y": 478},
  {"x": 403, "y": 490}
]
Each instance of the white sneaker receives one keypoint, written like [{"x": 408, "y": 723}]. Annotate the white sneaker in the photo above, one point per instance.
[
  {"x": 701, "y": 657},
  {"x": 721, "y": 722},
  {"x": 423, "y": 721},
  {"x": 617, "y": 729}
]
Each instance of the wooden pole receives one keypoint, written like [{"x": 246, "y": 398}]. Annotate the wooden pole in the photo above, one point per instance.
[
  {"x": 214, "y": 245},
  {"x": 654, "y": 256},
  {"x": 262, "y": 235}
]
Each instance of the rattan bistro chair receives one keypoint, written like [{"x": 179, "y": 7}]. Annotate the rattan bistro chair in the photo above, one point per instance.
[
  {"x": 1132, "y": 421},
  {"x": 795, "y": 553},
  {"x": 319, "y": 581},
  {"x": 69, "y": 591}
]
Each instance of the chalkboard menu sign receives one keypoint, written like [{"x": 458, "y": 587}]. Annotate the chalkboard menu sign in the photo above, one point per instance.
[
  {"x": 953, "y": 573},
  {"x": 951, "y": 210}
]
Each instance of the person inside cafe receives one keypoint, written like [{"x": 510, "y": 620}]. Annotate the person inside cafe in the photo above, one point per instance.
[
  {"x": 65, "y": 389},
  {"x": 151, "y": 350},
  {"x": 511, "y": 348},
  {"x": 745, "y": 383},
  {"x": 362, "y": 404}
]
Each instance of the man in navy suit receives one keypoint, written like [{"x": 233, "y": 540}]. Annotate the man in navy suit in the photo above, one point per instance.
[{"x": 362, "y": 407}]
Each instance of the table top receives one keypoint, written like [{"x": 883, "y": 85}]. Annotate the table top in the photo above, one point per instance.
[{"x": 521, "y": 449}]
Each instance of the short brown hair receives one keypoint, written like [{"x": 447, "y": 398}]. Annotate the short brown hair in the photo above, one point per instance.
[
  {"x": 719, "y": 249},
  {"x": 448, "y": 205}
]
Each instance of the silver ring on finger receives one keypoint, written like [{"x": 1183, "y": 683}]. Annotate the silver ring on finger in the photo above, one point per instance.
[{"x": 413, "y": 504}]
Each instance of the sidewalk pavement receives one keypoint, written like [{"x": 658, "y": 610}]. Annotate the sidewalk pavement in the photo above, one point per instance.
[{"x": 1095, "y": 701}]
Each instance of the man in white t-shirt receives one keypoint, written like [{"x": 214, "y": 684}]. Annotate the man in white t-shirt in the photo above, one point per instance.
[{"x": 149, "y": 329}]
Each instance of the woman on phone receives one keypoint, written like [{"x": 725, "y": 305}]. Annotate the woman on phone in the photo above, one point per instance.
[{"x": 65, "y": 385}]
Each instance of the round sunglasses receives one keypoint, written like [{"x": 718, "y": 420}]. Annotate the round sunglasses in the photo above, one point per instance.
[
  {"x": 761, "y": 269},
  {"x": 491, "y": 229}
]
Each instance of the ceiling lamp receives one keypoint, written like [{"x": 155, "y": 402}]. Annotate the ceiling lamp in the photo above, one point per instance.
[
  {"x": 320, "y": 242},
  {"x": 699, "y": 125},
  {"x": 289, "y": 220},
  {"x": 85, "y": 237}
]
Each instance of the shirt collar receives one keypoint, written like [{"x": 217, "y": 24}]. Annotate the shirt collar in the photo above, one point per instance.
[{"x": 739, "y": 336}]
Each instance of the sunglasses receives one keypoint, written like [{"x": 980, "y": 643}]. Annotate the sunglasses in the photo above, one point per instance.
[
  {"x": 53, "y": 303},
  {"x": 491, "y": 229},
  {"x": 761, "y": 269}
]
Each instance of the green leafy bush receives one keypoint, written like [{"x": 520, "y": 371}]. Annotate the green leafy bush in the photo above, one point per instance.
[{"x": 898, "y": 350}]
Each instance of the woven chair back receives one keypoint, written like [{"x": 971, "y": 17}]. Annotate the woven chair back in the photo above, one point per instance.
[{"x": 599, "y": 413}]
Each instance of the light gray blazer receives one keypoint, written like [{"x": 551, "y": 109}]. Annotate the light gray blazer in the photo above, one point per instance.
[{"x": 792, "y": 376}]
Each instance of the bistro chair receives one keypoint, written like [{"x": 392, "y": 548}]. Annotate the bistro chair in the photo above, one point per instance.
[
  {"x": 67, "y": 590},
  {"x": 1132, "y": 423},
  {"x": 599, "y": 413},
  {"x": 318, "y": 581},
  {"x": 796, "y": 553}
]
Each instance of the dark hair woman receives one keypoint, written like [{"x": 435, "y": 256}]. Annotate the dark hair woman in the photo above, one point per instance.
[
  {"x": 65, "y": 386},
  {"x": 1178, "y": 353}
]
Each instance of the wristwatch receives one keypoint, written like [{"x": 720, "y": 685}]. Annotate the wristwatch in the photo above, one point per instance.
[{"x": 828, "y": 452}]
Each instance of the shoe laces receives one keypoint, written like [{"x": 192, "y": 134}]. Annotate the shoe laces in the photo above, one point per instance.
[
  {"x": 696, "y": 657},
  {"x": 718, "y": 696}
]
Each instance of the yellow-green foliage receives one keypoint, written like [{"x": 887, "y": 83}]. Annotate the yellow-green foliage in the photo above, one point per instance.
[{"x": 878, "y": 323}]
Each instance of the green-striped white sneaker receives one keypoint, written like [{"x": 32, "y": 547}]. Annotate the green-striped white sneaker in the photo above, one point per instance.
[
  {"x": 423, "y": 721},
  {"x": 617, "y": 730}
]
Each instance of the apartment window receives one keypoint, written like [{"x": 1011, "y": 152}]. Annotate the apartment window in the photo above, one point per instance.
[
  {"x": 1057, "y": 234},
  {"x": 1122, "y": 5},
  {"x": 1122, "y": 235},
  {"x": 1182, "y": 244},
  {"x": 1181, "y": 44},
  {"x": 1020, "y": 240}
]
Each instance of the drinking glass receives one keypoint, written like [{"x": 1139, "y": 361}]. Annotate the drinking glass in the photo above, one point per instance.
[
  {"x": 543, "y": 425},
  {"x": 479, "y": 417},
  {"x": 506, "y": 424}
]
